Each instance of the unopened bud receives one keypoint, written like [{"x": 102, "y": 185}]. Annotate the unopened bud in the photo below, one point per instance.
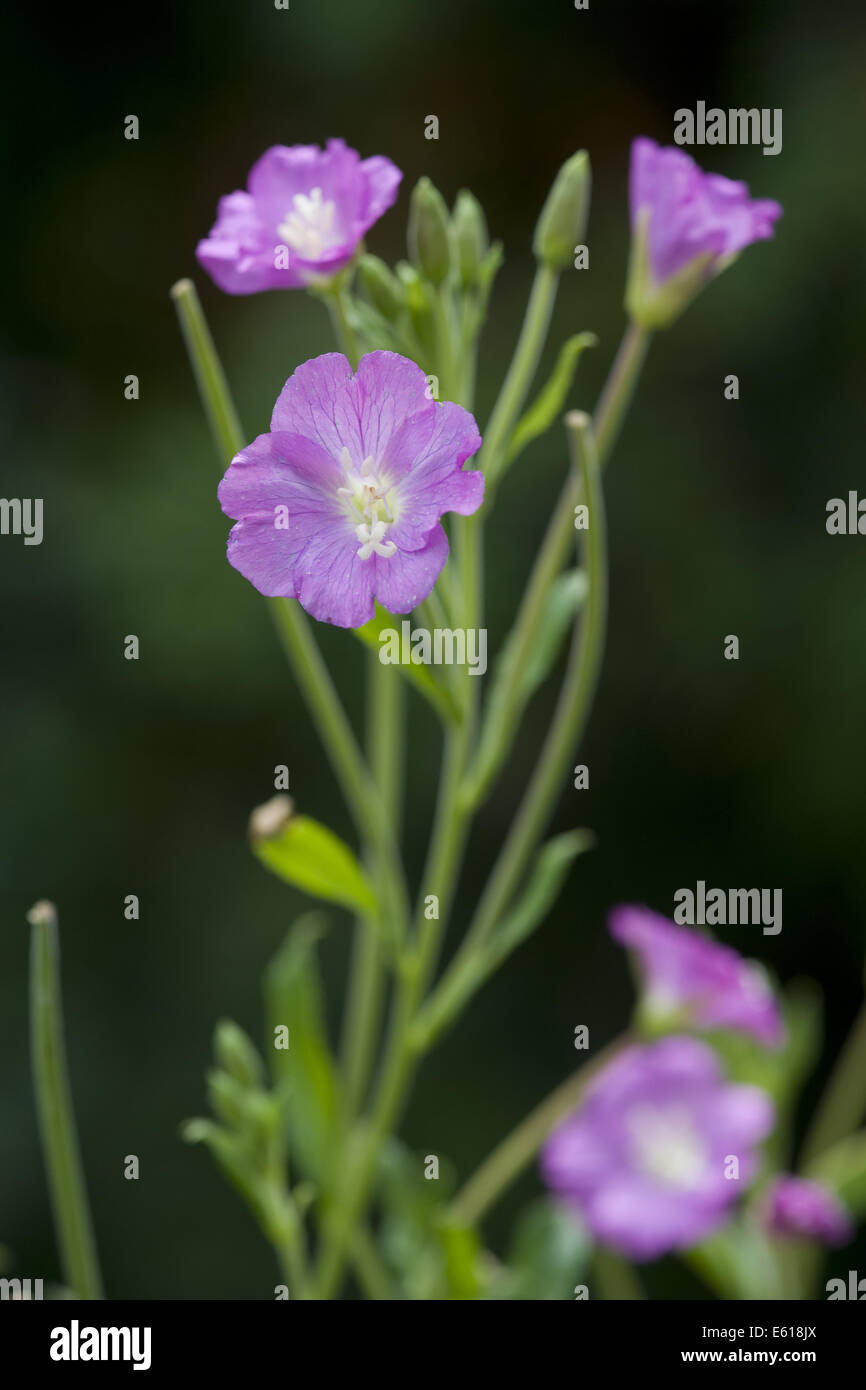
[
  {"x": 429, "y": 232},
  {"x": 563, "y": 218}
]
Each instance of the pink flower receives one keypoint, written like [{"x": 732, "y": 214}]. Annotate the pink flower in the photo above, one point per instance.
[
  {"x": 686, "y": 227},
  {"x": 693, "y": 981},
  {"x": 646, "y": 1158},
  {"x": 798, "y": 1207},
  {"x": 302, "y": 217},
  {"x": 340, "y": 503}
]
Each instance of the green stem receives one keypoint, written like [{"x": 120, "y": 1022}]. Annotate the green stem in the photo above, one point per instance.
[
  {"x": 607, "y": 421},
  {"x": 619, "y": 388},
  {"x": 448, "y": 383},
  {"x": 518, "y": 379},
  {"x": 573, "y": 706},
  {"x": 337, "y": 300},
  {"x": 508, "y": 1160},
  {"x": 385, "y": 720},
  {"x": 372, "y": 1274},
  {"x": 207, "y": 369},
  {"x": 842, "y": 1106},
  {"x": 63, "y": 1165}
]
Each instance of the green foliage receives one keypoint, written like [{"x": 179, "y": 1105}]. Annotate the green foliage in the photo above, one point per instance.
[
  {"x": 304, "y": 1072},
  {"x": 310, "y": 856},
  {"x": 419, "y": 675},
  {"x": 550, "y": 402},
  {"x": 430, "y": 1256},
  {"x": 547, "y": 1257}
]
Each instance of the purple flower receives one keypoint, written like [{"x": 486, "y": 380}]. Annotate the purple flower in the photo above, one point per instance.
[
  {"x": 340, "y": 504},
  {"x": 694, "y": 982},
  {"x": 303, "y": 216},
  {"x": 797, "y": 1207},
  {"x": 687, "y": 226},
  {"x": 660, "y": 1148}
]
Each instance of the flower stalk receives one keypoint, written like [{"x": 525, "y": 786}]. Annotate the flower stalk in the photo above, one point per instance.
[{"x": 60, "y": 1147}]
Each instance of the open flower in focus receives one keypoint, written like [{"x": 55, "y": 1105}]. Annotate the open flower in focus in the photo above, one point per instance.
[
  {"x": 302, "y": 217},
  {"x": 687, "y": 226},
  {"x": 340, "y": 503},
  {"x": 797, "y": 1207},
  {"x": 660, "y": 1148},
  {"x": 690, "y": 981}
]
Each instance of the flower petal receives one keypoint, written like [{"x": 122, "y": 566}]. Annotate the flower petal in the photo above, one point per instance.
[
  {"x": 405, "y": 580},
  {"x": 333, "y": 583}
]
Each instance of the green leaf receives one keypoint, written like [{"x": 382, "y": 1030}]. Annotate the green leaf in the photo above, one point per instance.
[
  {"x": 548, "y": 404},
  {"x": 309, "y": 856},
  {"x": 419, "y": 675},
  {"x": 430, "y": 1256},
  {"x": 304, "y": 1071},
  {"x": 547, "y": 1257}
]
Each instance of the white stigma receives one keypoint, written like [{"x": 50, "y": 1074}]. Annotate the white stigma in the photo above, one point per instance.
[
  {"x": 308, "y": 225},
  {"x": 370, "y": 504},
  {"x": 666, "y": 1146}
]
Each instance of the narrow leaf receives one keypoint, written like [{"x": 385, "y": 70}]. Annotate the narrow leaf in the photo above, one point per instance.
[
  {"x": 309, "y": 856},
  {"x": 419, "y": 675},
  {"x": 548, "y": 404},
  {"x": 301, "y": 1060}
]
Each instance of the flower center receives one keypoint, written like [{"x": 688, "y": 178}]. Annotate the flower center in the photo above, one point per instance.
[
  {"x": 369, "y": 507},
  {"x": 308, "y": 225},
  {"x": 665, "y": 1145}
]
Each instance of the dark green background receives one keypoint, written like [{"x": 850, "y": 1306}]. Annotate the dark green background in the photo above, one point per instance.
[{"x": 138, "y": 778}]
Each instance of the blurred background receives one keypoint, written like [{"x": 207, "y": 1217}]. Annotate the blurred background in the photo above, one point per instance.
[{"x": 127, "y": 777}]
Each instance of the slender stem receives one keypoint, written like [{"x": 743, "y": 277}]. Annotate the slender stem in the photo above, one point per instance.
[
  {"x": 615, "y": 399},
  {"x": 518, "y": 379},
  {"x": 60, "y": 1148},
  {"x": 337, "y": 300},
  {"x": 841, "y": 1107},
  {"x": 207, "y": 368},
  {"x": 371, "y": 1272},
  {"x": 449, "y": 385},
  {"x": 619, "y": 389},
  {"x": 508, "y": 1160},
  {"x": 573, "y": 706},
  {"x": 385, "y": 720}
]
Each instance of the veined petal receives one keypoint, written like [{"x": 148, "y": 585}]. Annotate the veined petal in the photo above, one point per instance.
[
  {"x": 333, "y": 583},
  {"x": 405, "y": 581}
]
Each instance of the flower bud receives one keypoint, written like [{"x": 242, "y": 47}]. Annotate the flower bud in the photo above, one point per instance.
[
  {"x": 429, "y": 232},
  {"x": 470, "y": 237},
  {"x": 563, "y": 218},
  {"x": 382, "y": 288},
  {"x": 236, "y": 1054}
]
